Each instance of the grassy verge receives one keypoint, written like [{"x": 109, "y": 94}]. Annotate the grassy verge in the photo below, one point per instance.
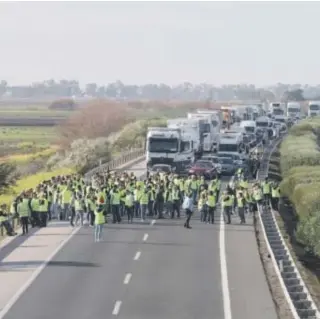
[
  {"x": 294, "y": 164},
  {"x": 31, "y": 182}
]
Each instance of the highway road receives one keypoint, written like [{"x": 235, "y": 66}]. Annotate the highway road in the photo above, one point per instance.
[{"x": 152, "y": 270}]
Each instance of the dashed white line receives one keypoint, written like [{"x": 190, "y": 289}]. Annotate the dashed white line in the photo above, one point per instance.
[
  {"x": 153, "y": 222},
  {"x": 137, "y": 255},
  {"x": 116, "y": 308},
  {"x": 145, "y": 237},
  {"x": 127, "y": 278}
]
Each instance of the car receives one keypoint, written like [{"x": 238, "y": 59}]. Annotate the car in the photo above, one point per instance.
[
  {"x": 239, "y": 159},
  {"x": 160, "y": 168},
  {"x": 228, "y": 167},
  {"x": 203, "y": 168},
  {"x": 214, "y": 160}
]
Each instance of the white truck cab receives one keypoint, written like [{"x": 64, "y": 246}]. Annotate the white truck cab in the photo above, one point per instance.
[{"x": 313, "y": 108}]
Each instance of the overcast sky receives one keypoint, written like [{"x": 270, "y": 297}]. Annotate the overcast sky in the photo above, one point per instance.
[{"x": 169, "y": 42}]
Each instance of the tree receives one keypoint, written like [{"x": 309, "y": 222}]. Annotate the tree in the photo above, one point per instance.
[{"x": 295, "y": 95}]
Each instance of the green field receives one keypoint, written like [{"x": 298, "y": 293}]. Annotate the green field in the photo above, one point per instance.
[
  {"x": 26, "y": 133},
  {"x": 29, "y": 113}
]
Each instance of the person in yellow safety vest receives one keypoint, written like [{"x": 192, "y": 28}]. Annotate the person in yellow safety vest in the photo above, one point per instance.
[
  {"x": 5, "y": 222},
  {"x": 115, "y": 205},
  {"x": 211, "y": 204},
  {"x": 193, "y": 186},
  {"x": 34, "y": 210},
  {"x": 257, "y": 196},
  {"x": 66, "y": 197},
  {"x": 24, "y": 214},
  {"x": 266, "y": 189},
  {"x": 143, "y": 200},
  {"x": 175, "y": 201},
  {"x": 129, "y": 204},
  {"x": 79, "y": 207},
  {"x": 227, "y": 203},
  {"x": 241, "y": 204},
  {"x": 43, "y": 212},
  {"x": 99, "y": 220},
  {"x": 202, "y": 207},
  {"x": 275, "y": 196}
]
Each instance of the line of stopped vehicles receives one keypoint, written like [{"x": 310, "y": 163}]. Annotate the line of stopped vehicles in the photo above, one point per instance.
[{"x": 211, "y": 142}]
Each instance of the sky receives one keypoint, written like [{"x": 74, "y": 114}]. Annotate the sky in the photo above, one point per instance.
[{"x": 160, "y": 42}]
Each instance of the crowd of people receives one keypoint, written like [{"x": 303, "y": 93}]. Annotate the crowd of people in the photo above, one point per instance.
[{"x": 122, "y": 196}]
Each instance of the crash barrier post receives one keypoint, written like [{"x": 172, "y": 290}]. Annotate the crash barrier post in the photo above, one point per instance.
[
  {"x": 296, "y": 293},
  {"x": 118, "y": 161}
]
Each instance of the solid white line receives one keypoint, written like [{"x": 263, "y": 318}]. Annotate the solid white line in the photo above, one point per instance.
[
  {"x": 137, "y": 256},
  {"x": 153, "y": 222},
  {"x": 223, "y": 267},
  {"x": 145, "y": 237},
  {"x": 33, "y": 277},
  {"x": 116, "y": 308},
  {"x": 127, "y": 278}
]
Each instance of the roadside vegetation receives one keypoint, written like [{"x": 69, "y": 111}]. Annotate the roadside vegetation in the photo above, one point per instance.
[
  {"x": 87, "y": 135},
  {"x": 296, "y": 163}
]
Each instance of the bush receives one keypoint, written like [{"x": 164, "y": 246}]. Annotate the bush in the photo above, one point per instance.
[
  {"x": 134, "y": 134},
  {"x": 63, "y": 104},
  {"x": 96, "y": 119},
  {"x": 83, "y": 155},
  {"x": 300, "y": 168}
]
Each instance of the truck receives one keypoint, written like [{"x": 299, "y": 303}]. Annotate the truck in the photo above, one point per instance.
[
  {"x": 166, "y": 146},
  {"x": 277, "y": 108},
  {"x": 314, "y": 108},
  {"x": 294, "y": 110},
  {"x": 212, "y": 133},
  {"x": 216, "y": 117},
  {"x": 191, "y": 130}
]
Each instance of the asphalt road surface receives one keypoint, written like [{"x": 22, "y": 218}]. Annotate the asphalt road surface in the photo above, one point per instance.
[{"x": 152, "y": 270}]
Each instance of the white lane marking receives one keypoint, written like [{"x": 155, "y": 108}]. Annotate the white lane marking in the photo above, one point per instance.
[
  {"x": 116, "y": 308},
  {"x": 137, "y": 255},
  {"x": 127, "y": 278},
  {"x": 35, "y": 274},
  {"x": 224, "y": 269},
  {"x": 153, "y": 222},
  {"x": 145, "y": 237}
]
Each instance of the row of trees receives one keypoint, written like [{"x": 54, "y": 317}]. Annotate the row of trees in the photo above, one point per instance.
[{"x": 119, "y": 90}]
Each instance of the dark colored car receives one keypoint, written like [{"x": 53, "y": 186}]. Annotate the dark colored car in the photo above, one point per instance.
[
  {"x": 228, "y": 167},
  {"x": 203, "y": 168}
]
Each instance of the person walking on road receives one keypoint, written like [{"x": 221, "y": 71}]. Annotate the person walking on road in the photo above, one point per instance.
[
  {"x": 98, "y": 223},
  {"x": 188, "y": 206},
  {"x": 24, "y": 214}
]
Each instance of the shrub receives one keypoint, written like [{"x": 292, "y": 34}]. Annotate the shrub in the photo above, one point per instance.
[
  {"x": 83, "y": 155},
  {"x": 134, "y": 134},
  {"x": 300, "y": 168},
  {"x": 96, "y": 119},
  {"x": 63, "y": 104}
]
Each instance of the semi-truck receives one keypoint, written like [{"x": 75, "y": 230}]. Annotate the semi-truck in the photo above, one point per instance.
[
  {"x": 166, "y": 146},
  {"x": 294, "y": 110},
  {"x": 212, "y": 133},
  {"x": 314, "y": 108},
  {"x": 191, "y": 130}
]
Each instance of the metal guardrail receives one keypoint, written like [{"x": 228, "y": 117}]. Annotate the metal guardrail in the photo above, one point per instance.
[
  {"x": 118, "y": 161},
  {"x": 114, "y": 163},
  {"x": 297, "y": 295}
]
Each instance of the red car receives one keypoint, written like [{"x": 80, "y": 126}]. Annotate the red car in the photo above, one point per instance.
[{"x": 203, "y": 168}]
